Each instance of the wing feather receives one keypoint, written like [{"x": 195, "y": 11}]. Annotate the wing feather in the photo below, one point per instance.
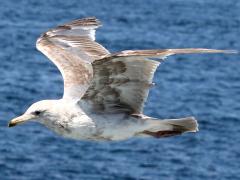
[
  {"x": 122, "y": 80},
  {"x": 72, "y": 48}
]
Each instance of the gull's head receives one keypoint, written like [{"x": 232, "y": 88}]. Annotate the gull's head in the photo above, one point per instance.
[{"x": 38, "y": 111}]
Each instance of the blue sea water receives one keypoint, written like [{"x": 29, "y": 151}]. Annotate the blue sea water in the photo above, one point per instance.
[{"x": 204, "y": 86}]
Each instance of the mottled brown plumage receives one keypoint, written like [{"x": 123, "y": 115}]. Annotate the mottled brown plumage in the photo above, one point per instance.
[
  {"x": 72, "y": 48},
  {"x": 117, "y": 82},
  {"x": 120, "y": 84}
]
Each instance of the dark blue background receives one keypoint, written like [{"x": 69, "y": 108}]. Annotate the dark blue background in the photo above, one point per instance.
[{"x": 206, "y": 86}]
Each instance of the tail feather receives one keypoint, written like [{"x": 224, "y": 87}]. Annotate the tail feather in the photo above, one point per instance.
[
  {"x": 188, "y": 124},
  {"x": 171, "y": 127}
]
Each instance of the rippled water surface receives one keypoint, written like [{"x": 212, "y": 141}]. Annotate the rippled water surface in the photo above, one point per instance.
[{"x": 206, "y": 86}]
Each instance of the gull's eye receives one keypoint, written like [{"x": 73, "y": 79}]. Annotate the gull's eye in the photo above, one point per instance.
[{"x": 37, "y": 113}]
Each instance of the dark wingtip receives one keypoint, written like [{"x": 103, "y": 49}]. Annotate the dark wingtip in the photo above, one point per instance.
[{"x": 11, "y": 124}]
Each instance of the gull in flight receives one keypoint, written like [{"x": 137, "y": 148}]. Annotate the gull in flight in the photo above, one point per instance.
[{"x": 104, "y": 93}]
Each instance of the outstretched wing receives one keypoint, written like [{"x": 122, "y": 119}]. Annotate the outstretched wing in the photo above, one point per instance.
[
  {"x": 122, "y": 80},
  {"x": 72, "y": 48}
]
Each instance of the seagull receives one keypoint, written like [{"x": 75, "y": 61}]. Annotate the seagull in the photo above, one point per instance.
[{"x": 104, "y": 93}]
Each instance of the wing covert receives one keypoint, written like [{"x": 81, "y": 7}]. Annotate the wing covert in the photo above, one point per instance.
[
  {"x": 122, "y": 80},
  {"x": 72, "y": 48}
]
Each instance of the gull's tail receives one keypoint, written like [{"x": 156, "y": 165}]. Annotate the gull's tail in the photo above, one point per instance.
[{"x": 171, "y": 127}]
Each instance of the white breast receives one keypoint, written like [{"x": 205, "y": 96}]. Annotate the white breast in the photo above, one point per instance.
[{"x": 74, "y": 122}]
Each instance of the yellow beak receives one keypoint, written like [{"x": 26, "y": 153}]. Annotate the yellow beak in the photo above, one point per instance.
[{"x": 21, "y": 119}]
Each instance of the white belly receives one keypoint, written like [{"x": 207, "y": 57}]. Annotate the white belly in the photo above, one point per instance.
[
  {"x": 70, "y": 120},
  {"x": 103, "y": 127}
]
